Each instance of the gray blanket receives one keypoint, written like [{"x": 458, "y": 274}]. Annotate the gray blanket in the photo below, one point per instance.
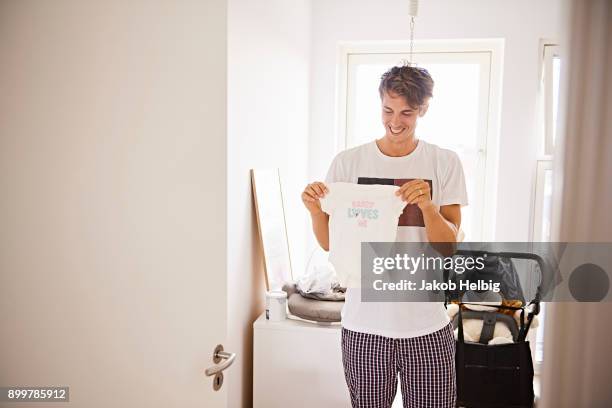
[{"x": 335, "y": 294}]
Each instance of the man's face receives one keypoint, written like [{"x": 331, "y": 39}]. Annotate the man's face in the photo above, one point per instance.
[{"x": 398, "y": 117}]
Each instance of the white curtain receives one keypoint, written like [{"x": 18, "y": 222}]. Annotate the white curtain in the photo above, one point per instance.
[{"x": 577, "y": 368}]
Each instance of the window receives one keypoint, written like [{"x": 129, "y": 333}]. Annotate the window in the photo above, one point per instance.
[
  {"x": 549, "y": 101},
  {"x": 542, "y": 205},
  {"x": 550, "y": 81},
  {"x": 462, "y": 116},
  {"x": 541, "y": 232},
  {"x": 543, "y": 201}
]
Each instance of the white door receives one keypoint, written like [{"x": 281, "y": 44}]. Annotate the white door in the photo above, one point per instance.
[{"x": 113, "y": 209}]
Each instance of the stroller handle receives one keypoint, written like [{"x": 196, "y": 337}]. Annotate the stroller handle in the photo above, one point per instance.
[{"x": 545, "y": 270}]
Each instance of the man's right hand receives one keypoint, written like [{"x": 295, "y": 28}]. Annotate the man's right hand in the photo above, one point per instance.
[{"x": 311, "y": 195}]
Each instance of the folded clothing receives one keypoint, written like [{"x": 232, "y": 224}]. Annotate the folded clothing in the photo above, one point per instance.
[
  {"x": 320, "y": 282},
  {"x": 312, "y": 309},
  {"x": 337, "y": 293}
]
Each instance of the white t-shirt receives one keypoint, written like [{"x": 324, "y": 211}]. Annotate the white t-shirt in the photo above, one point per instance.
[
  {"x": 358, "y": 213},
  {"x": 366, "y": 164}
]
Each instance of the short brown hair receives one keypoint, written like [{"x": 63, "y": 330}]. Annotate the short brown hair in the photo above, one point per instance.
[{"x": 413, "y": 83}]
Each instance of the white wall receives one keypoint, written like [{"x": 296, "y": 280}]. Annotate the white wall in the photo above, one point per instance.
[
  {"x": 112, "y": 176},
  {"x": 268, "y": 73},
  {"x": 521, "y": 23}
]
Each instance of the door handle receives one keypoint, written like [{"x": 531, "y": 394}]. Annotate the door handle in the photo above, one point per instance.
[{"x": 218, "y": 356}]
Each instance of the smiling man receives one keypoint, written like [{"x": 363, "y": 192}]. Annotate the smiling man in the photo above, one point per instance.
[{"x": 380, "y": 339}]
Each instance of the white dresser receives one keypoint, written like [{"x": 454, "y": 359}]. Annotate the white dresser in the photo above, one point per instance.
[{"x": 297, "y": 364}]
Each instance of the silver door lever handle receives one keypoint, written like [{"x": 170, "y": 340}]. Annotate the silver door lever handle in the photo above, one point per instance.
[{"x": 218, "y": 356}]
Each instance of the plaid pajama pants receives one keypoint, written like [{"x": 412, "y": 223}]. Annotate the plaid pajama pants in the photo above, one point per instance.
[{"x": 426, "y": 366}]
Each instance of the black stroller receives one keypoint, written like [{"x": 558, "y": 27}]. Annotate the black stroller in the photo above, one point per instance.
[{"x": 499, "y": 375}]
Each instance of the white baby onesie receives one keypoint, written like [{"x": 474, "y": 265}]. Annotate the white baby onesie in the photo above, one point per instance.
[{"x": 359, "y": 213}]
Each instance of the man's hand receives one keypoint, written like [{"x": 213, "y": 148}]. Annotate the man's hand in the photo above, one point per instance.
[
  {"x": 416, "y": 192},
  {"x": 311, "y": 195}
]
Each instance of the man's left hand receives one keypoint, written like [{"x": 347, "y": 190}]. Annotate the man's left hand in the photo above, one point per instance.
[{"x": 416, "y": 192}]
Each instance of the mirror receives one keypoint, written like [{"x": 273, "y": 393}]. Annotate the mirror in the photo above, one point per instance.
[{"x": 268, "y": 198}]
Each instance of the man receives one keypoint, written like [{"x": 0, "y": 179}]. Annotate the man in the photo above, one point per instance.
[{"x": 380, "y": 339}]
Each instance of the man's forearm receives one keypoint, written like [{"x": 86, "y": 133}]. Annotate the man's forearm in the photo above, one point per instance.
[
  {"x": 320, "y": 226},
  {"x": 437, "y": 227}
]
